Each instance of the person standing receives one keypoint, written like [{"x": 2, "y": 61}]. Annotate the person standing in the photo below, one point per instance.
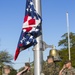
[
  {"x": 50, "y": 68},
  {"x": 26, "y": 70},
  {"x": 67, "y": 69}
]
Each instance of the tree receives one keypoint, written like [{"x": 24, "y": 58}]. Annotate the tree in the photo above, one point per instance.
[
  {"x": 65, "y": 56},
  {"x": 64, "y": 41},
  {"x": 5, "y": 57},
  {"x": 64, "y": 51}
]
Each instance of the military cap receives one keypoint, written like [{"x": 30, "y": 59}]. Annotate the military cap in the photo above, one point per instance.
[
  {"x": 27, "y": 64},
  {"x": 50, "y": 57},
  {"x": 6, "y": 67},
  {"x": 67, "y": 61}
]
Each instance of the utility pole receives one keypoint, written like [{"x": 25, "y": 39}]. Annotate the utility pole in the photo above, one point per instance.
[{"x": 38, "y": 49}]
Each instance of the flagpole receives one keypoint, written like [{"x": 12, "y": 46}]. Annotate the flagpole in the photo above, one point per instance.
[
  {"x": 38, "y": 49},
  {"x": 68, "y": 36}
]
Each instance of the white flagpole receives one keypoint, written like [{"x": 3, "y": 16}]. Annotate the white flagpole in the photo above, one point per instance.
[
  {"x": 68, "y": 30},
  {"x": 38, "y": 49}
]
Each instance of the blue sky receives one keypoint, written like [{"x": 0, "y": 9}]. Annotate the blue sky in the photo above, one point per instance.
[{"x": 53, "y": 25}]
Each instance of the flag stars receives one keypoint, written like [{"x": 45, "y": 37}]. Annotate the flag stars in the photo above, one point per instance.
[
  {"x": 30, "y": 9},
  {"x": 24, "y": 30},
  {"x": 31, "y": 3},
  {"x": 28, "y": 6},
  {"x": 22, "y": 39},
  {"x": 27, "y": 42},
  {"x": 31, "y": 37},
  {"x": 27, "y": 9}
]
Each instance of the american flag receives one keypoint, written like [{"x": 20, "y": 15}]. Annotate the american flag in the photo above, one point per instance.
[{"x": 30, "y": 30}]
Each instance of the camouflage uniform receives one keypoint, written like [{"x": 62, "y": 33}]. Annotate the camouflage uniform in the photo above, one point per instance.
[
  {"x": 4, "y": 74},
  {"x": 51, "y": 69},
  {"x": 68, "y": 71},
  {"x": 27, "y": 73}
]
